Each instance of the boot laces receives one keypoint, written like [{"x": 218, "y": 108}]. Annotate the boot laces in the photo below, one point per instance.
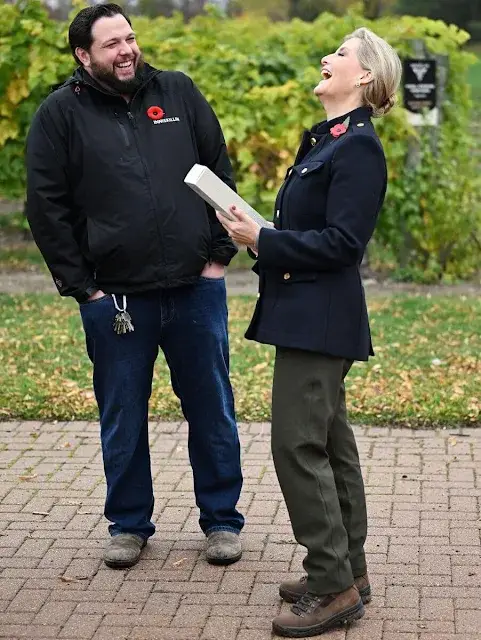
[{"x": 307, "y": 604}]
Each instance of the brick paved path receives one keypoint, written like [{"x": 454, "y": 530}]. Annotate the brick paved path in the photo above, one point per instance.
[{"x": 424, "y": 548}]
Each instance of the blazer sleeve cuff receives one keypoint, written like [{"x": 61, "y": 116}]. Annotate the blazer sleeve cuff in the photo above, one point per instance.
[{"x": 266, "y": 246}]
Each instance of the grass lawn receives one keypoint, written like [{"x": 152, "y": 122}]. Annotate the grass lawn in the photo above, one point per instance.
[
  {"x": 21, "y": 257},
  {"x": 427, "y": 371}
]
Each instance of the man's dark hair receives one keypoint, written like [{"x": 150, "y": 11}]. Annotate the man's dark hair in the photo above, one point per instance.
[{"x": 80, "y": 30}]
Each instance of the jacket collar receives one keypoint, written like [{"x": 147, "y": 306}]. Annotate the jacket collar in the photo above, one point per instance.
[
  {"x": 318, "y": 135},
  {"x": 361, "y": 114},
  {"x": 80, "y": 76}
]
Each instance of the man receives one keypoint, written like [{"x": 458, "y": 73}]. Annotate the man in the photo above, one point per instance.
[{"x": 142, "y": 254}]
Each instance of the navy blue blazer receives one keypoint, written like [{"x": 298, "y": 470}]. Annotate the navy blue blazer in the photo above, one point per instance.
[{"x": 310, "y": 291}]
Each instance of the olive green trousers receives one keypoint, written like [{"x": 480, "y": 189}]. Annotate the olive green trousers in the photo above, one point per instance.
[{"x": 317, "y": 464}]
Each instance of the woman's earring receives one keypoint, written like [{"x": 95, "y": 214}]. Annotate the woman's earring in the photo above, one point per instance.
[{"x": 358, "y": 84}]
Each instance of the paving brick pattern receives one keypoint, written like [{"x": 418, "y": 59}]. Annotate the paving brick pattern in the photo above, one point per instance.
[{"x": 424, "y": 494}]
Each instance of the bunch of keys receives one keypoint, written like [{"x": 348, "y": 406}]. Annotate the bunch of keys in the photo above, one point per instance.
[{"x": 122, "y": 321}]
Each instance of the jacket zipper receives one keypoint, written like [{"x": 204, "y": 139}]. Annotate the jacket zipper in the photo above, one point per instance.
[
  {"x": 124, "y": 134},
  {"x": 132, "y": 121}
]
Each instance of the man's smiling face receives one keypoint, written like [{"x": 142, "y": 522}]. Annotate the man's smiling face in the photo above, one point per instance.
[{"x": 114, "y": 57}]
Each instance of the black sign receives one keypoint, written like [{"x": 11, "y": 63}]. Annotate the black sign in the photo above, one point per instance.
[{"x": 419, "y": 85}]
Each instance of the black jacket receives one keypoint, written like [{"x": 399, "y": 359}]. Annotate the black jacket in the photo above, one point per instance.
[
  {"x": 106, "y": 200},
  {"x": 311, "y": 295}
]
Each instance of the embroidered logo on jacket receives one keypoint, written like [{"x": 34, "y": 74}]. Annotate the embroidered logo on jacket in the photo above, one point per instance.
[
  {"x": 157, "y": 115},
  {"x": 166, "y": 120}
]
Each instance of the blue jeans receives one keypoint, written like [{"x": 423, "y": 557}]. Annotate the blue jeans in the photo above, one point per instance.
[{"x": 189, "y": 324}]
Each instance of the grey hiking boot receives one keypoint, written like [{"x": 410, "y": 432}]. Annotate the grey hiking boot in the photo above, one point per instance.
[
  {"x": 223, "y": 547},
  {"x": 123, "y": 550}
]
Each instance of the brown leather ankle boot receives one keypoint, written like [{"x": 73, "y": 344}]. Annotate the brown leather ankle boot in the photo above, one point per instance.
[
  {"x": 292, "y": 591},
  {"x": 315, "y": 614}
]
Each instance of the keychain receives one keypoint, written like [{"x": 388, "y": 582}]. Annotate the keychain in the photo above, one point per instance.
[{"x": 122, "y": 321}]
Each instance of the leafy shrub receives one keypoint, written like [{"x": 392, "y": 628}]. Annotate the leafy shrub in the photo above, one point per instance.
[{"x": 259, "y": 77}]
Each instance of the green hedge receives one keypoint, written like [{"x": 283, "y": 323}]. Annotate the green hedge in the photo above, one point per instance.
[{"x": 259, "y": 78}]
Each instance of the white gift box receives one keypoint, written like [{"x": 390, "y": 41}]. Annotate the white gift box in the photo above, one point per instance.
[{"x": 219, "y": 195}]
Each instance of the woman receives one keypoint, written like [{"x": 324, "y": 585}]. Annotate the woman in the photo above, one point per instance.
[{"x": 312, "y": 308}]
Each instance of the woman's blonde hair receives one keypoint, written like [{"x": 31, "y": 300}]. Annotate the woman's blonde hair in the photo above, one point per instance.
[{"x": 378, "y": 57}]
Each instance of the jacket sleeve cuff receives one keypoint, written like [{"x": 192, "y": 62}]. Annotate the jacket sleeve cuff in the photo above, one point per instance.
[
  {"x": 266, "y": 245},
  {"x": 83, "y": 296},
  {"x": 223, "y": 254}
]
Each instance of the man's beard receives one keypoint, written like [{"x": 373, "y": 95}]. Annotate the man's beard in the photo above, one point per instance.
[{"x": 106, "y": 76}]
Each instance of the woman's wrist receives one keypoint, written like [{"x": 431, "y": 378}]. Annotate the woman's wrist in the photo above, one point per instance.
[{"x": 256, "y": 241}]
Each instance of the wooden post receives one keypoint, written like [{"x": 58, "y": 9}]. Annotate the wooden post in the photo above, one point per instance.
[
  {"x": 442, "y": 80},
  {"x": 430, "y": 90},
  {"x": 413, "y": 159},
  {"x": 414, "y": 147}
]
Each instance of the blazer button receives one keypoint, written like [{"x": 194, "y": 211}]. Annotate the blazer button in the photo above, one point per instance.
[
  {"x": 287, "y": 276},
  {"x": 304, "y": 170},
  {"x": 313, "y": 142}
]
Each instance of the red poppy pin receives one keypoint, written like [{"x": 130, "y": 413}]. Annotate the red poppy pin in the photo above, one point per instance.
[
  {"x": 155, "y": 113},
  {"x": 340, "y": 129}
]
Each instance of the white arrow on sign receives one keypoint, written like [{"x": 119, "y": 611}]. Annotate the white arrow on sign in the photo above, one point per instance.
[{"x": 419, "y": 69}]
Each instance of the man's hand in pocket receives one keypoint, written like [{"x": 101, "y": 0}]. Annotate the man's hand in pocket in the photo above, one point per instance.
[
  {"x": 213, "y": 270},
  {"x": 95, "y": 296}
]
